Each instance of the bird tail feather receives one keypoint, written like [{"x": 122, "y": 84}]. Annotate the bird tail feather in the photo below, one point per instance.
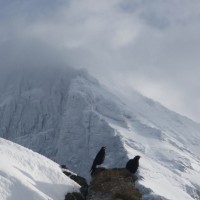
[{"x": 93, "y": 168}]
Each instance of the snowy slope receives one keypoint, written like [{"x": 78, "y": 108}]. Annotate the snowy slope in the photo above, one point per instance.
[
  {"x": 68, "y": 116},
  {"x": 168, "y": 144},
  {"x": 25, "y": 174},
  {"x": 49, "y": 111}
]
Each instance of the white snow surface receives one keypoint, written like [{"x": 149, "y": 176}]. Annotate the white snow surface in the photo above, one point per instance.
[
  {"x": 26, "y": 175},
  {"x": 67, "y": 116}
]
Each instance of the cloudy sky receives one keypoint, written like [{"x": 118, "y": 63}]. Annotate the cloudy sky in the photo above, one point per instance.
[{"x": 150, "y": 45}]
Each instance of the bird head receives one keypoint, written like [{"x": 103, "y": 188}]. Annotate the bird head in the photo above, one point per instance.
[{"x": 137, "y": 157}]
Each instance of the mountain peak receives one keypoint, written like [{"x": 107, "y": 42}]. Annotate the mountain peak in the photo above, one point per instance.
[{"x": 67, "y": 116}]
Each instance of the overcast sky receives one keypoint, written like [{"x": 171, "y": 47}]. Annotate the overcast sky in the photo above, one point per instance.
[{"x": 150, "y": 45}]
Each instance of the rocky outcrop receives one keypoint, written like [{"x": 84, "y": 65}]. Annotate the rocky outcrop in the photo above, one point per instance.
[
  {"x": 106, "y": 184},
  {"x": 113, "y": 184},
  {"x": 78, "y": 179}
]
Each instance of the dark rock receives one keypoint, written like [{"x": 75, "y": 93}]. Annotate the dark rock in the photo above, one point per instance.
[
  {"x": 63, "y": 166},
  {"x": 67, "y": 173},
  {"x": 81, "y": 181},
  {"x": 74, "y": 196}
]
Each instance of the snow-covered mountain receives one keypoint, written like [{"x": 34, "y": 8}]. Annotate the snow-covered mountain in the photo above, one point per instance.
[
  {"x": 67, "y": 116},
  {"x": 25, "y": 174}
]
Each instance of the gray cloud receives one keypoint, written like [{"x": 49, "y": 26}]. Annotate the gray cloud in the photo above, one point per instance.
[{"x": 151, "y": 46}]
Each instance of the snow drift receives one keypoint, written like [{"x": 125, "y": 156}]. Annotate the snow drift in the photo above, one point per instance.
[{"x": 25, "y": 174}]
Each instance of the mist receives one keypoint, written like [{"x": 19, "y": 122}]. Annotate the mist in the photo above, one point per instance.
[{"x": 150, "y": 46}]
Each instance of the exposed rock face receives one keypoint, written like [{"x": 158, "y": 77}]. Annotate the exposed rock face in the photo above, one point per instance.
[
  {"x": 106, "y": 184},
  {"x": 113, "y": 184},
  {"x": 81, "y": 181}
]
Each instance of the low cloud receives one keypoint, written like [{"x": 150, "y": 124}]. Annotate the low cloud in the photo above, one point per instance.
[{"x": 151, "y": 46}]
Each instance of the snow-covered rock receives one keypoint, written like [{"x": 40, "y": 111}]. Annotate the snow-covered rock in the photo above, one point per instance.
[
  {"x": 25, "y": 174},
  {"x": 67, "y": 116}
]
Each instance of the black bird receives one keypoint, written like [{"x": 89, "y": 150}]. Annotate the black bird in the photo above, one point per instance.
[
  {"x": 133, "y": 164},
  {"x": 100, "y": 157}
]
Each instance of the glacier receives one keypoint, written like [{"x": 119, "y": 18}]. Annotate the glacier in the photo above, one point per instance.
[{"x": 67, "y": 115}]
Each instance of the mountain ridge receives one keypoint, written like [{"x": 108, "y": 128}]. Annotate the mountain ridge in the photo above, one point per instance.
[{"x": 68, "y": 115}]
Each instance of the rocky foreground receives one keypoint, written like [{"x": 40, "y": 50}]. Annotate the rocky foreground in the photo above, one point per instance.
[{"x": 106, "y": 184}]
